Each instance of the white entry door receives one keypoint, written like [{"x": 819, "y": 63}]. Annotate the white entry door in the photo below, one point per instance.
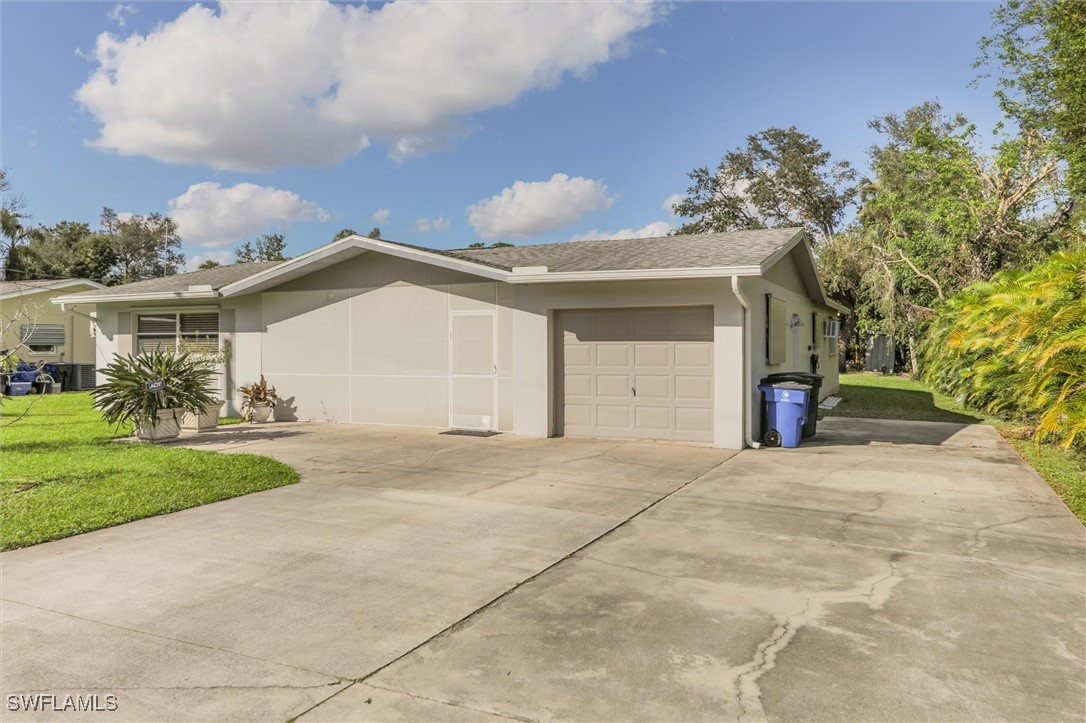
[{"x": 473, "y": 367}]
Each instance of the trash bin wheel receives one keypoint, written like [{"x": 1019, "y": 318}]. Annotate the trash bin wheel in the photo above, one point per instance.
[{"x": 772, "y": 438}]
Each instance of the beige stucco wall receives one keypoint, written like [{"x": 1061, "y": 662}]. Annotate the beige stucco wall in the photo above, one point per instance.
[
  {"x": 367, "y": 341},
  {"x": 784, "y": 282},
  {"x": 78, "y": 344}
]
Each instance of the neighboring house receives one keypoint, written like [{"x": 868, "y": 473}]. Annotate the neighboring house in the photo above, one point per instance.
[
  {"x": 48, "y": 334},
  {"x": 662, "y": 338}
]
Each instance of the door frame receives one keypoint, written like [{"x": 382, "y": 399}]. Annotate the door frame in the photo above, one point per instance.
[{"x": 468, "y": 421}]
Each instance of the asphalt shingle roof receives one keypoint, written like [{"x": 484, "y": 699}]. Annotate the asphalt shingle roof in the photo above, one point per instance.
[
  {"x": 688, "y": 251},
  {"x": 6, "y": 287},
  {"x": 217, "y": 278}
]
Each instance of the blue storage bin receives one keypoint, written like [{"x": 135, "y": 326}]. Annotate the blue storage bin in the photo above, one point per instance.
[{"x": 18, "y": 389}]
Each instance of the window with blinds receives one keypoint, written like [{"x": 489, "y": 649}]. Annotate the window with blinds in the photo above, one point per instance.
[
  {"x": 42, "y": 338},
  {"x": 196, "y": 331}
]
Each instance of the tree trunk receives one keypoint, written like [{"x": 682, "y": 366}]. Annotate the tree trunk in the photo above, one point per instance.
[
  {"x": 914, "y": 363},
  {"x": 845, "y": 343}
]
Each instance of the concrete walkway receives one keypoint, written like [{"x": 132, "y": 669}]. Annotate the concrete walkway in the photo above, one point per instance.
[{"x": 890, "y": 571}]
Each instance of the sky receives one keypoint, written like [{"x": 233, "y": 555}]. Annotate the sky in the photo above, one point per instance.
[{"x": 444, "y": 123}]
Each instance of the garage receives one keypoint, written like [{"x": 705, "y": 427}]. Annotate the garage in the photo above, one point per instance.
[{"x": 636, "y": 373}]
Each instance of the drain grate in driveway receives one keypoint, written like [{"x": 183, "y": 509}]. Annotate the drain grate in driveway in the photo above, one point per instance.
[{"x": 471, "y": 432}]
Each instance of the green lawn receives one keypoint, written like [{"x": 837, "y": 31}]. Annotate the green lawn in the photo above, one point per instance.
[
  {"x": 890, "y": 397},
  {"x": 63, "y": 472}
]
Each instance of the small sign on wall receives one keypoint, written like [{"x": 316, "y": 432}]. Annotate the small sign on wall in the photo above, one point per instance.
[{"x": 156, "y": 385}]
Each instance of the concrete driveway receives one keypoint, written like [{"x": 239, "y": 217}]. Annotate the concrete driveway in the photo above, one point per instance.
[{"x": 891, "y": 571}]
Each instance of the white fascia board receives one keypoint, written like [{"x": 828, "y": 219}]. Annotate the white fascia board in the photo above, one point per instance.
[
  {"x": 783, "y": 250},
  {"x": 636, "y": 275},
  {"x": 366, "y": 244},
  {"x": 801, "y": 236},
  {"x": 64, "y": 284},
  {"x": 156, "y": 296}
]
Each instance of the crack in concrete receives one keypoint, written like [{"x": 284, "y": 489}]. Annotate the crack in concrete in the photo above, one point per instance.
[
  {"x": 1008, "y": 567},
  {"x": 873, "y": 591},
  {"x": 976, "y": 542}
]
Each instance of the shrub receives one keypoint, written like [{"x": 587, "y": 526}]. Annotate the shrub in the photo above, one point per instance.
[
  {"x": 125, "y": 395},
  {"x": 1016, "y": 346}
]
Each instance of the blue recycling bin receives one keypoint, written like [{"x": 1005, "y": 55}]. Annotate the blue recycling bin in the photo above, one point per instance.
[{"x": 784, "y": 408}]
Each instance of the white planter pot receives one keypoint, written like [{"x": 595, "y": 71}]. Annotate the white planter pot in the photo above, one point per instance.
[
  {"x": 206, "y": 420},
  {"x": 261, "y": 413},
  {"x": 168, "y": 426}
]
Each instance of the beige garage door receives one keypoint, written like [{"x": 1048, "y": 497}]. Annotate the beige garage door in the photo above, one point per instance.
[{"x": 645, "y": 373}]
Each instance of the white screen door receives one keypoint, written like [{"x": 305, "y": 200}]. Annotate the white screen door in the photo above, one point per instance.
[{"x": 473, "y": 370}]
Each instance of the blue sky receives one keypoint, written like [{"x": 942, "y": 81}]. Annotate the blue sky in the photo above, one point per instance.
[{"x": 483, "y": 121}]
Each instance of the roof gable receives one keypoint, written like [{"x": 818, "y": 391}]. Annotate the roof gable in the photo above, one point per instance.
[{"x": 12, "y": 289}]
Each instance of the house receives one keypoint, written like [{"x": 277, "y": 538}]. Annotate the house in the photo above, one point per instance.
[
  {"x": 38, "y": 329},
  {"x": 659, "y": 338}
]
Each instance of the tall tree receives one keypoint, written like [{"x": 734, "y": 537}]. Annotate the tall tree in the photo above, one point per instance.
[
  {"x": 779, "y": 178},
  {"x": 145, "y": 246},
  {"x": 13, "y": 228},
  {"x": 269, "y": 247},
  {"x": 1038, "y": 55},
  {"x": 374, "y": 233},
  {"x": 344, "y": 233},
  {"x": 208, "y": 264}
]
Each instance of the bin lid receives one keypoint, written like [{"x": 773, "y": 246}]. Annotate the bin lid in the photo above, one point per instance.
[
  {"x": 802, "y": 377},
  {"x": 786, "y": 385}
]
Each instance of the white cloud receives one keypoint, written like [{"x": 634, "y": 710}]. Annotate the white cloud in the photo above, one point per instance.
[
  {"x": 277, "y": 84},
  {"x": 381, "y": 215},
  {"x": 425, "y": 225},
  {"x": 192, "y": 263},
  {"x": 212, "y": 216},
  {"x": 657, "y": 228},
  {"x": 528, "y": 209},
  {"x": 119, "y": 12},
  {"x": 671, "y": 201}
]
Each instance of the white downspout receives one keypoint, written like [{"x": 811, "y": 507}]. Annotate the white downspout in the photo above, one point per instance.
[
  {"x": 67, "y": 309},
  {"x": 748, "y": 422}
]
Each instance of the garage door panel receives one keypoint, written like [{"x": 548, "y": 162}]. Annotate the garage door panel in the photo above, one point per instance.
[
  {"x": 579, "y": 416},
  {"x": 613, "y": 385},
  {"x": 653, "y": 325},
  {"x": 613, "y": 355},
  {"x": 694, "y": 355},
  {"x": 580, "y": 385},
  {"x": 653, "y": 386},
  {"x": 638, "y": 373},
  {"x": 656, "y": 419},
  {"x": 652, "y": 355},
  {"x": 694, "y": 387},
  {"x": 580, "y": 355},
  {"x": 694, "y": 421},
  {"x": 694, "y": 324},
  {"x": 613, "y": 415}
]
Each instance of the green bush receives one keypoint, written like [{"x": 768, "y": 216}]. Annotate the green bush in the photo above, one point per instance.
[
  {"x": 125, "y": 395},
  {"x": 1016, "y": 346}
]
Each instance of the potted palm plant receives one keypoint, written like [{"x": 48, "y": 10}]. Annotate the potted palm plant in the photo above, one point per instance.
[
  {"x": 258, "y": 401},
  {"x": 152, "y": 389},
  {"x": 208, "y": 416}
]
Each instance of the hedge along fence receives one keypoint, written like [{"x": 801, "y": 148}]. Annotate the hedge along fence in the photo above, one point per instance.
[{"x": 1016, "y": 346}]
